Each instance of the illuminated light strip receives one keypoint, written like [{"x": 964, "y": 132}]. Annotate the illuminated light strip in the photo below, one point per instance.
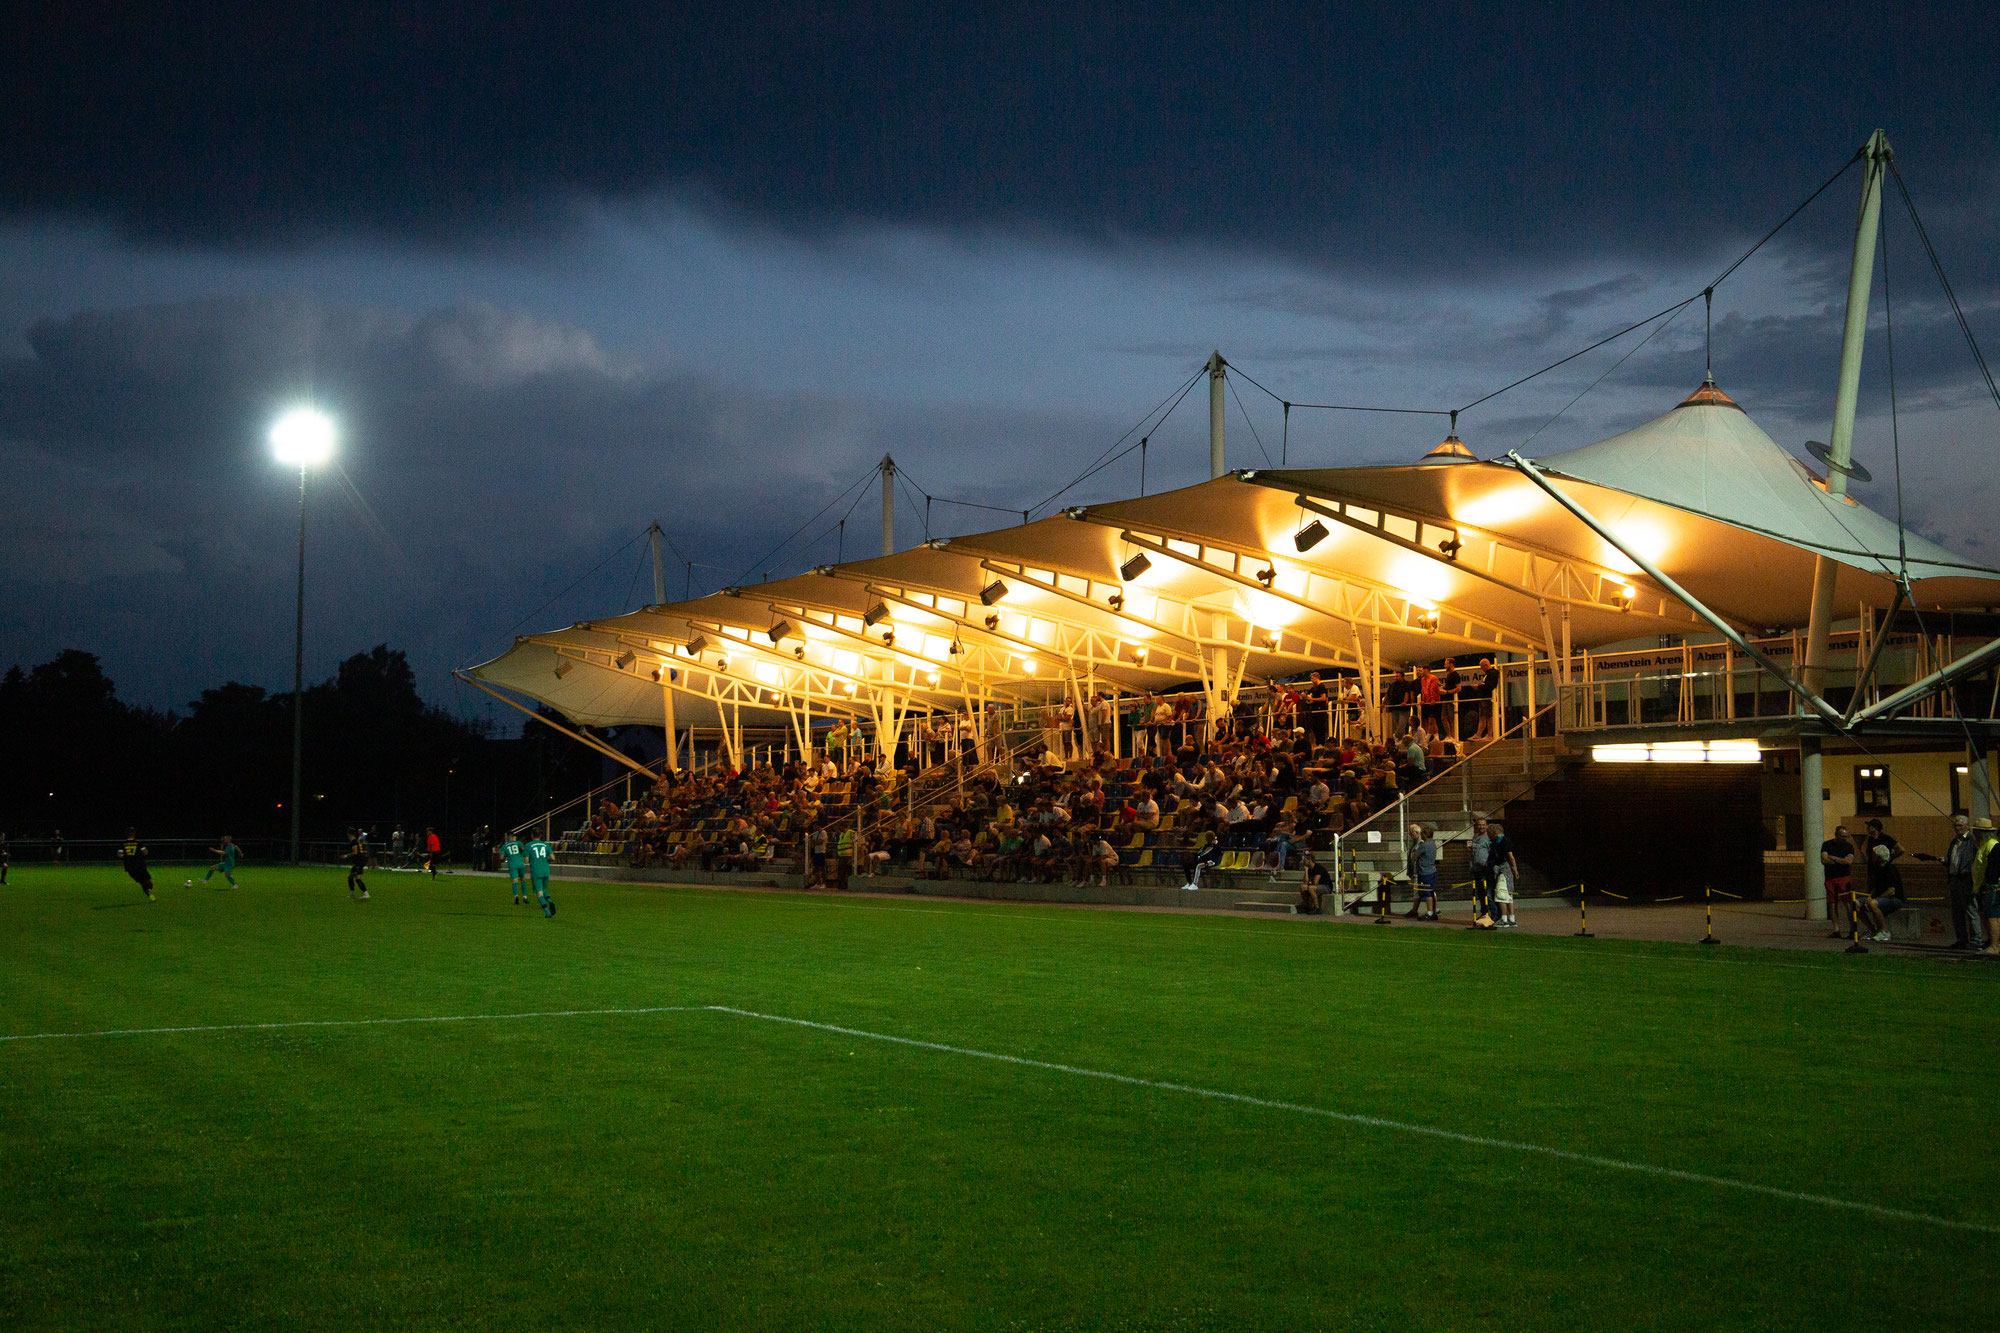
[{"x": 1679, "y": 752}]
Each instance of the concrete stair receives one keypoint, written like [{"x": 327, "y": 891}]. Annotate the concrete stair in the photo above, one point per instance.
[{"x": 1485, "y": 783}]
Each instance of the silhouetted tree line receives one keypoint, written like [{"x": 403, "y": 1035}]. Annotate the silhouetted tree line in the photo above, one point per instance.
[{"x": 73, "y": 757}]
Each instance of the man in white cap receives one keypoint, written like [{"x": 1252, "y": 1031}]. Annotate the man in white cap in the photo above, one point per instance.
[{"x": 1967, "y": 930}]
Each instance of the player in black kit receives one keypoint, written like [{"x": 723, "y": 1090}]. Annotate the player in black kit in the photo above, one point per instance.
[
  {"x": 135, "y": 862},
  {"x": 357, "y": 865}
]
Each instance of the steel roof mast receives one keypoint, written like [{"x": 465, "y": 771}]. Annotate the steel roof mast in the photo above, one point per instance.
[{"x": 1839, "y": 455}]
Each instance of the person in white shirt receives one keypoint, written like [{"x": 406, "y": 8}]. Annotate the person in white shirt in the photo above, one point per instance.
[
  {"x": 1105, "y": 858},
  {"x": 1238, "y": 812},
  {"x": 1149, "y": 812}
]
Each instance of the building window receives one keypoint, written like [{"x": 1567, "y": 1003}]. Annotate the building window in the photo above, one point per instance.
[
  {"x": 1871, "y": 792},
  {"x": 1961, "y": 780}
]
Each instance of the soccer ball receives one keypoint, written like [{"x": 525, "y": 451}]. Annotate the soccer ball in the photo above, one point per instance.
[{"x": 187, "y": 883}]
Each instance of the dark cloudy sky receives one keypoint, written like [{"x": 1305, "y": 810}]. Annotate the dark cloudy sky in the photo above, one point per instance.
[{"x": 559, "y": 276}]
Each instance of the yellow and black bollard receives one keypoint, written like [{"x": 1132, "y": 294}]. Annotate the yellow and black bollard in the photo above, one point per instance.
[
  {"x": 1854, "y": 925},
  {"x": 1708, "y": 917},
  {"x": 1382, "y": 892},
  {"x": 1582, "y": 913}
]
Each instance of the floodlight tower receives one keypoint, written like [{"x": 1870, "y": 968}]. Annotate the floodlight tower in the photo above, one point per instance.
[{"x": 301, "y": 438}]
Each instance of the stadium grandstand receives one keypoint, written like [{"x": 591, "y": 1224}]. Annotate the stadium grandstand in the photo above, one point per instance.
[{"x": 1681, "y": 622}]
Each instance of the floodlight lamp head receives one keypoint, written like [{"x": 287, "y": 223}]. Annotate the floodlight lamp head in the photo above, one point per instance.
[
  {"x": 1309, "y": 536},
  {"x": 302, "y": 437},
  {"x": 1135, "y": 567},
  {"x": 876, "y": 614},
  {"x": 1451, "y": 546},
  {"x": 694, "y": 646},
  {"x": 722, "y": 664},
  {"x": 1117, "y": 601},
  {"x": 800, "y": 652},
  {"x": 626, "y": 659},
  {"x": 888, "y": 637},
  {"x": 1075, "y": 511},
  {"x": 656, "y": 675},
  {"x": 781, "y": 630},
  {"x": 993, "y": 621},
  {"x": 564, "y": 667},
  {"x": 1428, "y": 621},
  {"x": 1267, "y": 575},
  {"x": 1623, "y": 598},
  {"x": 992, "y": 593}
]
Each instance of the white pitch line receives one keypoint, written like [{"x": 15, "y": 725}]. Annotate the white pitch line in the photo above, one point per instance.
[
  {"x": 1378, "y": 1122},
  {"x": 348, "y": 1023}
]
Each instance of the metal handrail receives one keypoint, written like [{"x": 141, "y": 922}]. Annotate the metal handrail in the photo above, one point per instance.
[{"x": 1401, "y": 804}]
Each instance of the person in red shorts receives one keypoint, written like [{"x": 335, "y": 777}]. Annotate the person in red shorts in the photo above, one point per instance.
[{"x": 1836, "y": 855}]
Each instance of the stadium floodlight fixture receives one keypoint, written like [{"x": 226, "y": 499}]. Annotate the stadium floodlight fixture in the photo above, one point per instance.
[
  {"x": 626, "y": 659},
  {"x": 876, "y": 615},
  {"x": 781, "y": 630},
  {"x": 1309, "y": 536},
  {"x": 1135, "y": 567},
  {"x": 303, "y": 437},
  {"x": 695, "y": 645},
  {"x": 1267, "y": 575},
  {"x": 1117, "y": 600},
  {"x": 992, "y": 593}
]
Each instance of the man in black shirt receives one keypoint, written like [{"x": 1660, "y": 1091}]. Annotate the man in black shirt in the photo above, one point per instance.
[
  {"x": 1836, "y": 854},
  {"x": 1313, "y": 885},
  {"x": 1317, "y": 703},
  {"x": 134, "y": 857}
]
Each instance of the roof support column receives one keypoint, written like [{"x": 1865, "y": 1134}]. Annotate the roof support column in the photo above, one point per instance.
[{"x": 1812, "y": 824}]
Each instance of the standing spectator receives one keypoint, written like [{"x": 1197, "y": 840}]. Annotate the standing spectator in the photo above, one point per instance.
[
  {"x": 1986, "y": 875},
  {"x": 1430, "y": 695},
  {"x": 1102, "y": 720},
  {"x": 1837, "y": 855},
  {"x": 1489, "y": 695},
  {"x": 56, "y": 852},
  {"x": 1424, "y": 872},
  {"x": 1967, "y": 930},
  {"x": 1318, "y": 706},
  {"x": 1480, "y": 853},
  {"x": 433, "y": 851},
  {"x": 1352, "y": 702},
  {"x": 1506, "y": 873},
  {"x": 1450, "y": 686},
  {"x": 3, "y": 858},
  {"x": 1397, "y": 703}
]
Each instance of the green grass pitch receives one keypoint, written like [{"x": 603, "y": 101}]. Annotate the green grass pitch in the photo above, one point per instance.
[{"x": 697, "y": 1169}]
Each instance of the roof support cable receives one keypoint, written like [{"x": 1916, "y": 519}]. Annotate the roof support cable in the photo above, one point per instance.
[
  {"x": 1938, "y": 267},
  {"x": 1245, "y": 414},
  {"x": 1285, "y": 444}
]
